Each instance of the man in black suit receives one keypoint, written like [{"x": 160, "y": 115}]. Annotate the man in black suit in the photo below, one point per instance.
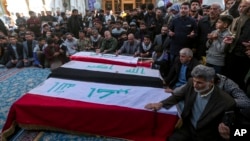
[{"x": 204, "y": 107}]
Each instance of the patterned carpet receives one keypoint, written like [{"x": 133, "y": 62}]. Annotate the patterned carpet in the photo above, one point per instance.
[{"x": 13, "y": 84}]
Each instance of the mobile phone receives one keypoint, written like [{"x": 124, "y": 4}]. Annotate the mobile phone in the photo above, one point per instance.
[{"x": 229, "y": 118}]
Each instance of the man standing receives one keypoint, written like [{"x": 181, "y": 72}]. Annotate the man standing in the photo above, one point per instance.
[
  {"x": 205, "y": 105},
  {"x": 75, "y": 23},
  {"x": 182, "y": 31}
]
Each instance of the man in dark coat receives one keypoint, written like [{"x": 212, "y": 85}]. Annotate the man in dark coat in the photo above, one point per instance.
[
  {"x": 75, "y": 23},
  {"x": 204, "y": 107}
]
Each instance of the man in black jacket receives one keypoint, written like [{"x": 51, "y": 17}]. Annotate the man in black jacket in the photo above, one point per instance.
[
  {"x": 180, "y": 72},
  {"x": 15, "y": 53}
]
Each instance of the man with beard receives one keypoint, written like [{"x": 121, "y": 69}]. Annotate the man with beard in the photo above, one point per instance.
[
  {"x": 133, "y": 29},
  {"x": 182, "y": 31},
  {"x": 28, "y": 48},
  {"x": 159, "y": 21},
  {"x": 163, "y": 38},
  {"x": 96, "y": 39},
  {"x": 195, "y": 6},
  {"x": 121, "y": 39},
  {"x": 75, "y": 23},
  {"x": 204, "y": 107}
]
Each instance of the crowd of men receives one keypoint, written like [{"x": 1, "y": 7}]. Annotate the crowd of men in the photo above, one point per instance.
[{"x": 177, "y": 37}]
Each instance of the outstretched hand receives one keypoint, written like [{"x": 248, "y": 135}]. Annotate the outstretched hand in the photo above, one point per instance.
[{"x": 154, "y": 106}]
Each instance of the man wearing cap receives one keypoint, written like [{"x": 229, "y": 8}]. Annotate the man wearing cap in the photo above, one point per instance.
[
  {"x": 205, "y": 10},
  {"x": 133, "y": 29}
]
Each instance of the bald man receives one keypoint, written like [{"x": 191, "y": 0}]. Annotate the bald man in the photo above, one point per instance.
[
  {"x": 109, "y": 44},
  {"x": 130, "y": 47}
]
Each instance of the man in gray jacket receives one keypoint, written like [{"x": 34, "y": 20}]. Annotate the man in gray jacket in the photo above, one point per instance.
[{"x": 130, "y": 47}]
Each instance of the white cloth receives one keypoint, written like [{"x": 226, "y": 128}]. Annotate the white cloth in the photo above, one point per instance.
[{"x": 120, "y": 95}]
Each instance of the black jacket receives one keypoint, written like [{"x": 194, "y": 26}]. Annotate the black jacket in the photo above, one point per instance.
[
  {"x": 19, "y": 48},
  {"x": 173, "y": 75}
]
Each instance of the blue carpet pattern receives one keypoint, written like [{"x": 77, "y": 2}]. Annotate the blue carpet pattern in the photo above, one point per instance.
[{"x": 16, "y": 82}]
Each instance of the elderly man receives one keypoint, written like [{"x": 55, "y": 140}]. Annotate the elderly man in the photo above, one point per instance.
[
  {"x": 109, "y": 44},
  {"x": 130, "y": 47},
  {"x": 205, "y": 105},
  {"x": 205, "y": 26},
  {"x": 181, "y": 70}
]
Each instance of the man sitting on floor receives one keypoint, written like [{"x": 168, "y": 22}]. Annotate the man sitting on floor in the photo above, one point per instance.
[
  {"x": 109, "y": 44},
  {"x": 130, "y": 47},
  {"x": 181, "y": 70}
]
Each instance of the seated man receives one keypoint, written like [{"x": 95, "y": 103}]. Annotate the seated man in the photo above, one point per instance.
[
  {"x": 38, "y": 53},
  {"x": 205, "y": 105},
  {"x": 160, "y": 60},
  {"x": 96, "y": 39},
  {"x": 71, "y": 44},
  {"x": 83, "y": 42},
  {"x": 146, "y": 47},
  {"x": 4, "y": 55},
  {"x": 28, "y": 48},
  {"x": 181, "y": 70},
  {"x": 109, "y": 44},
  {"x": 15, "y": 53},
  {"x": 130, "y": 47},
  {"x": 53, "y": 56}
]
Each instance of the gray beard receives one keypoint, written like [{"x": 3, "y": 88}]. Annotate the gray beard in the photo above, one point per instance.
[{"x": 203, "y": 90}]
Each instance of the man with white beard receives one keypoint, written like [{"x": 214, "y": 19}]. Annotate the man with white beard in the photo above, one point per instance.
[{"x": 204, "y": 107}]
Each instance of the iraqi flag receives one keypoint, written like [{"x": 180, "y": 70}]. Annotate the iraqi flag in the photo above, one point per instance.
[{"x": 94, "y": 108}]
